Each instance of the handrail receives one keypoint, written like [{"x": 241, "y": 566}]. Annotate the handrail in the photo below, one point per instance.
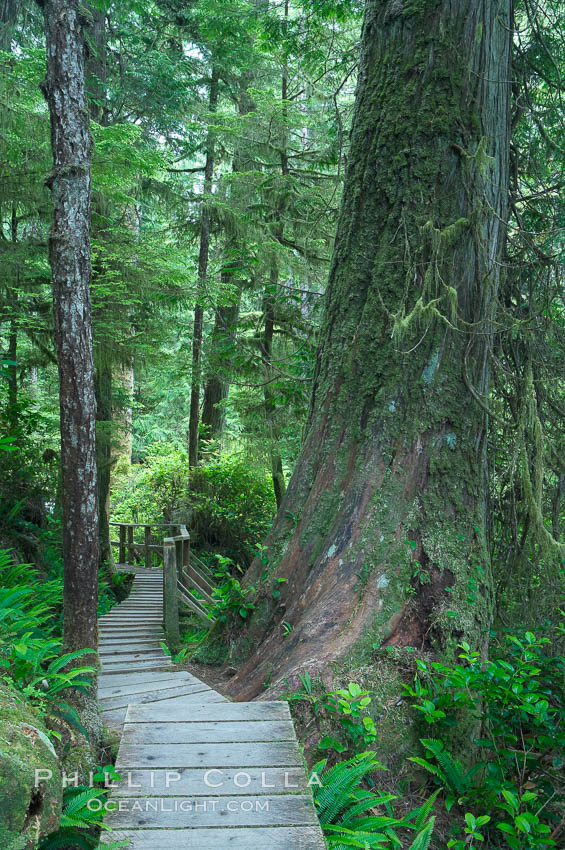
[
  {"x": 128, "y": 547},
  {"x": 187, "y": 581},
  {"x": 180, "y": 579}
]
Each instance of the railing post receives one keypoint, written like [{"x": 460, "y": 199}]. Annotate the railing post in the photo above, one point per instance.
[
  {"x": 122, "y": 550},
  {"x": 148, "y": 559},
  {"x": 178, "y": 556},
  {"x": 131, "y": 553},
  {"x": 170, "y": 595},
  {"x": 186, "y": 552}
]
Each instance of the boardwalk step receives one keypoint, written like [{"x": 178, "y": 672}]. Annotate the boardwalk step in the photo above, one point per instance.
[
  {"x": 294, "y": 838},
  {"x": 198, "y": 772}
]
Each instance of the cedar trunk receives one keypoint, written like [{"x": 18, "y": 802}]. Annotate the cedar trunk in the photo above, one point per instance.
[
  {"x": 381, "y": 535},
  {"x": 69, "y": 255}
]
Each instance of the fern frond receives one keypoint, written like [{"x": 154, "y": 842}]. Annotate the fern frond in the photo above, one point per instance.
[{"x": 422, "y": 840}]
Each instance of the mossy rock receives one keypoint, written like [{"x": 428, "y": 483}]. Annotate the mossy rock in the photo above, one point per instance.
[{"x": 28, "y": 811}]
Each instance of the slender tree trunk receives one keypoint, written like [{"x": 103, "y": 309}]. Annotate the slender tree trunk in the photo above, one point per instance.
[
  {"x": 13, "y": 336},
  {"x": 277, "y": 472},
  {"x": 381, "y": 535},
  {"x": 69, "y": 255},
  {"x": 8, "y": 17},
  {"x": 217, "y": 385},
  {"x": 96, "y": 76},
  {"x": 194, "y": 415},
  {"x": 225, "y": 321},
  {"x": 13, "y": 371},
  {"x": 104, "y": 459}
]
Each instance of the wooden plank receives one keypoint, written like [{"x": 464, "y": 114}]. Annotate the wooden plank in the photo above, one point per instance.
[
  {"x": 171, "y": 756},
  {"x": 153, "y": 695},
  {"x": 143, "y": 655},
  {"x": 139, "y": 687},
  {"x": 276, "y": 838},
  {"x": 206, "y": 782},
  {"x": 219, "y": 732},
  {"x": 106, "y": 680},
  {"x": 125, "y": 634},
  {"x": 228, "y": 711},
  {"x": 122, "y": 552},
  {"x": 114, "y": 719},
  {"x": 138, "y": 666},
  {"x": 195, "y": 576},
  {"x": 175, "y": 812},
  {"x": 128, "y": 646}
]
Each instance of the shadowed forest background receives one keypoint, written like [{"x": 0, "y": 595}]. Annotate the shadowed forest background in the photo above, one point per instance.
[{"x": 325, "y": 282}]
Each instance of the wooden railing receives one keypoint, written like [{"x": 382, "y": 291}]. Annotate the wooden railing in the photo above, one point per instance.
[
  {"x": 187, "y": 581},
  {"x": 131, "y": 551}
]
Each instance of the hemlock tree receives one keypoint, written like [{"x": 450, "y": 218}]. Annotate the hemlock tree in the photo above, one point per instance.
[
  {"x": 381, "y": 535},
  {"x": 69, "y": 255}
]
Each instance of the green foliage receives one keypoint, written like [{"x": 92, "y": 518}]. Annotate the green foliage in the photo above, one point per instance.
[
  {"x": 515, "y": 782},
  {"x": 347, "y": 810},
  {"x": 228, "y": 507},
  {"x": 346, "y": 707},
  {"x": 154, "y": 491},
  {"x": 229, "y": 596},
  {"x": 83, "y": 812},
  {"x": 31, "y": 656},
  {"x": 232, "y": 507}
]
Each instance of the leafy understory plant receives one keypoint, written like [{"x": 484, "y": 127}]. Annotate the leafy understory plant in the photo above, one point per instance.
[{"x": 512, "y": 796}]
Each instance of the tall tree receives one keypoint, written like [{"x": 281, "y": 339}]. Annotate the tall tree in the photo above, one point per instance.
[
  {"x": 69, "y": 256},
  {"x": 203, "y": 257},
  {"x": 381, "y": 535}
]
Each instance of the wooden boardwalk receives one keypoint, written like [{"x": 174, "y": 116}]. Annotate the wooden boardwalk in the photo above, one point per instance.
[{"x": 198, "y": 772}]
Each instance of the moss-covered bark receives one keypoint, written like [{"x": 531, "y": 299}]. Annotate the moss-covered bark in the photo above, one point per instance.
[
  {"x": 381, "y": 535},
  {"x": 28, "y": 811}
]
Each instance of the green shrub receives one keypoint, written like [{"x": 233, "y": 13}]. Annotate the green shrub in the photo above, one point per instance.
[
  {"x": 229, "y": 506},
  {"x": 31, "y": 655},
  {"x": 232, "y": 508},
  {"x": 515, "y": 787},
  {"x": 346, "y": 709},
  {"x": 154, "y": 491}
]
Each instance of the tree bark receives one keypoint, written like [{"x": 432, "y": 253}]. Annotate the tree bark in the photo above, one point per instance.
[
  {"x": 13, "y": 415},
  {"x": 204, "y": 251},
  {"x": 96, "y": 76},
  {"x": 277, "y": 471},
  {"x": 381, "y": 535},
  {"x": 217, "y": 386},
  {"x": 69, "y": 255},
  {"x": 225, "y": 321},
  {"x": 104, "y": 459}
]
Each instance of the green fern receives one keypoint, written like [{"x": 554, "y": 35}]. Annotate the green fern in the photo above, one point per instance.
[
  {"x": 347, "y": 810},
  {"x": 339, "y": 782},
  {"x": 448, "y": 771},
  {"x": 422, "y": 840}
]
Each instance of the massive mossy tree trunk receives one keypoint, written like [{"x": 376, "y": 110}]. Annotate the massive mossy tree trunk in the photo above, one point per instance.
[
  {"x": 69, "y": 255},
  {"x": 381, "y": 535}
]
